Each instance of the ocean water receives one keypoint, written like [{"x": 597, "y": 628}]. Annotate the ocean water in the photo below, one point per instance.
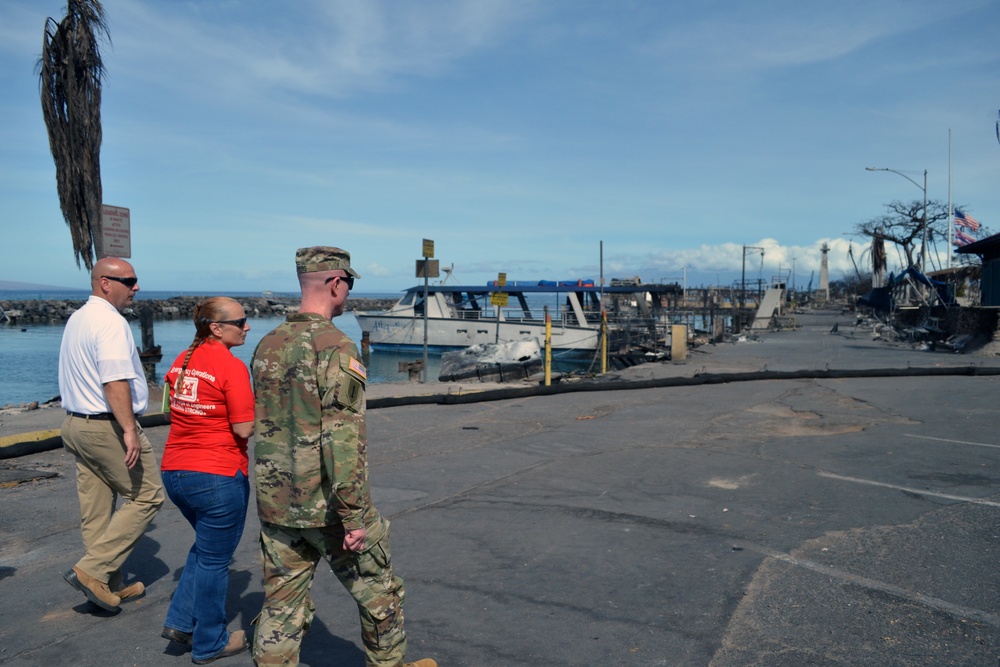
[
  {"x": 81, "y": 295},
  {"x": 29, "y": 353}
]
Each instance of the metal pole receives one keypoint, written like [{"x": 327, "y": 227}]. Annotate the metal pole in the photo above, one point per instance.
[
  {"x": 604, "y": 342},
  {"x": 743, "y": 289},
  {"x": 923, "y": 257},
  {"x": 601, "y": 259},
  {"x": 548, "y": 347},
  {"x": 423, "y": 372},
  {"x": 604, "y": 320},
  {"x": 951, "y": 213}
]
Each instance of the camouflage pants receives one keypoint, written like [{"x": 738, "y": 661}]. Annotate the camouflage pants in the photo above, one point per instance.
[{"x": 289, "y": 557}]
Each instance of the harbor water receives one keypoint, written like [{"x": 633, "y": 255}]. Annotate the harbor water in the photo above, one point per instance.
[{"x": 29, "y": 353}]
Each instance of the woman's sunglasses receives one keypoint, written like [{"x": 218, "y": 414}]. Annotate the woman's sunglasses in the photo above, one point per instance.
[{"x": 236, "y": 323}]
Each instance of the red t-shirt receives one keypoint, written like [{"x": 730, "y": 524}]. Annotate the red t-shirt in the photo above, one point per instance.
[{"x": 216, "y": 393}]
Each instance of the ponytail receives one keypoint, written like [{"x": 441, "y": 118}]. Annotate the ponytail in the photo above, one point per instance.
[{"x": 205, "y": 313}]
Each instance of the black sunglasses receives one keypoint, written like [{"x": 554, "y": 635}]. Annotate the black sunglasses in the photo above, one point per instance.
[
  {"x": 236, "y": 323},
  {"x": 347, "y": 279},
  {"x": 127, "y": 282}
]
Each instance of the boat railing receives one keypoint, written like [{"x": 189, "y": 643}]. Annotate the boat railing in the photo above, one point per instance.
[
  {"x": 651, "y": 328},
  {"x": 566, "y": 317}
]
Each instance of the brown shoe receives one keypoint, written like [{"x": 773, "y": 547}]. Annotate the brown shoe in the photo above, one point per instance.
[
  {"x": 96, "y": 591},
  {"x": 426, "y": 662},
  {"x": 237, "y": 644},
  {"x": 175, "y": 635},
  {"x": 132, "y": 592}
]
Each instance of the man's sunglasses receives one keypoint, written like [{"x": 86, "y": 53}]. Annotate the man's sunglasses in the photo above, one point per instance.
[
  {"x": 127, "y": 282},
  {"x": 347, "y": 279},
  {"x": 236, "y": 323}
]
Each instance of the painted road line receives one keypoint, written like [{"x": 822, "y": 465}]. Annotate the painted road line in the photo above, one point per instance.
[
  {"x": 952, "y": 609},
  {"x": 956, "y": 442},
  {"x": 907, "y": 489}
]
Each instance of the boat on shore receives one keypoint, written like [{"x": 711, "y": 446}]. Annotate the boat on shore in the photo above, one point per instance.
[{"x": 459, "y": 316}]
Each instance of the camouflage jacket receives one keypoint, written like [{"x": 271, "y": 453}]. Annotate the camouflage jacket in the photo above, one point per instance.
[{"x": 311, "y": 456}]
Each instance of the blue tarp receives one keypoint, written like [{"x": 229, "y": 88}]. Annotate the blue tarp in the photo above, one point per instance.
[{"x": 880, "y": 299}]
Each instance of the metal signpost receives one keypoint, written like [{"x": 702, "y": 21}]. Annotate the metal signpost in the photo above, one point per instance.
[
  {"x": 428, "y": 268},
  {"x": 499, "y": 300}
]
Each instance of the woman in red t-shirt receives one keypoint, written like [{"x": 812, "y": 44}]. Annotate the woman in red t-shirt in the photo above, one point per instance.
[{"x": 205, "y": 471}]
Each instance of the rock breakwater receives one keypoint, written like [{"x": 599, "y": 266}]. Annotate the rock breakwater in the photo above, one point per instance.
[{"x": 175, "y": 308}]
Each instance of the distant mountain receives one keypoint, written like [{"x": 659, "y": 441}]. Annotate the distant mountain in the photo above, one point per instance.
[{"x": 15, "y": 285}]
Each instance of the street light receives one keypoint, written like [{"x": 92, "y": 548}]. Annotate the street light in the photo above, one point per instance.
[{"x": 923, "y": 249}]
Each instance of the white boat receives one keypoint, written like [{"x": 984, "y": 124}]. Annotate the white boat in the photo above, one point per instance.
[{"x": 459, "y": 316}]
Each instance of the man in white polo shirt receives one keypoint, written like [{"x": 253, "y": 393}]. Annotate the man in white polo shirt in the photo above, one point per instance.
[{"x": 103, "y": 389}]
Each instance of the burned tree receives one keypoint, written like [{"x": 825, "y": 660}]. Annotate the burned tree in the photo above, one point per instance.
[{"x": 903, "y": 226}]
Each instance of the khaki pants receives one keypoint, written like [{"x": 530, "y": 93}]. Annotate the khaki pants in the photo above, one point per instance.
[
  {"x": 110, "y": 534},
  {"x": 289, "y": 557}
]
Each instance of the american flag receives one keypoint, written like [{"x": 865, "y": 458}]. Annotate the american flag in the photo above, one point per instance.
[
  {"x": 967, "y": 221},
  {"x": 961, "y": 238}
]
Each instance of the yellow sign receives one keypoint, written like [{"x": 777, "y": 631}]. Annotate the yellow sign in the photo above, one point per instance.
[
  {"x": 501, "y": 279},
  {"x": 428, "y": 248},
  {"x": 499, "y": 298}
]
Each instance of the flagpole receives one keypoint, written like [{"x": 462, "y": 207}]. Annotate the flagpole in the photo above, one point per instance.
[{"x": 951, "y": 212}]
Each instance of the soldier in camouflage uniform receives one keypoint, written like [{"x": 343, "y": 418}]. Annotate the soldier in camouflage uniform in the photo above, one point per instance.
[{"x": 312, "y": 475}]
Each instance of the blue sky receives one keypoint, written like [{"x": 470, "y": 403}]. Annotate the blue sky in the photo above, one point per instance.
[{"x": 517, "y": 135}]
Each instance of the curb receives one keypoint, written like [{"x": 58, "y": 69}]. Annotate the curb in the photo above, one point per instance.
[
  {"x": 34, "y": 442},
  {"x": 697, "y": 380},
  {"x": 40, "y": 441},
  {"x": 29, "y": 443}
]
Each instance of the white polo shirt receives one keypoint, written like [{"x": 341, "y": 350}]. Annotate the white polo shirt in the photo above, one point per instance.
[{"x": 98, "y": 347}]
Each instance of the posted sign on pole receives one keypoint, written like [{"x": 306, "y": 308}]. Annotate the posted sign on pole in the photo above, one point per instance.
[
  {"x": 499, "y": 299},
  {"x": 114, "y": 235},
  {"x": 428, "y": 268}
]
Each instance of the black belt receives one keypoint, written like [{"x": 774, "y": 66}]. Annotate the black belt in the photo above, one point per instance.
[{"x": 103, "y": 416}]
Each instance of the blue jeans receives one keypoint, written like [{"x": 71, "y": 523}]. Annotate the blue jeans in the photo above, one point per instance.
[{"x": 216, "y": 507}]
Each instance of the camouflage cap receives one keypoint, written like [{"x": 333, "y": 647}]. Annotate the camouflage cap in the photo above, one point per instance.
[{"x": 323, "y": 258}]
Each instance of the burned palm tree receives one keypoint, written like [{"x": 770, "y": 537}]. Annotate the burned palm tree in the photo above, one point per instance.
[{"x": 70, "y": 72}]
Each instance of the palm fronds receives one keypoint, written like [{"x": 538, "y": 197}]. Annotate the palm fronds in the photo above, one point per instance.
[{"x": 70, "y": 72}]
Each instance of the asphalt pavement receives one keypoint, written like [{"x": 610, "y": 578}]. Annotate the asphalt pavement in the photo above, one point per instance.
[{"x": 823, "y": 519}]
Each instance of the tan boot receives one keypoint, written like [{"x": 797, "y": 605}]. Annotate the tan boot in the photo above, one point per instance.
[
  {"x": 237, "y": 644},
  {"x": 130, "y": 593},
  {"x": 96, "y": 591},
  {"x": 426, "y": 662}
]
